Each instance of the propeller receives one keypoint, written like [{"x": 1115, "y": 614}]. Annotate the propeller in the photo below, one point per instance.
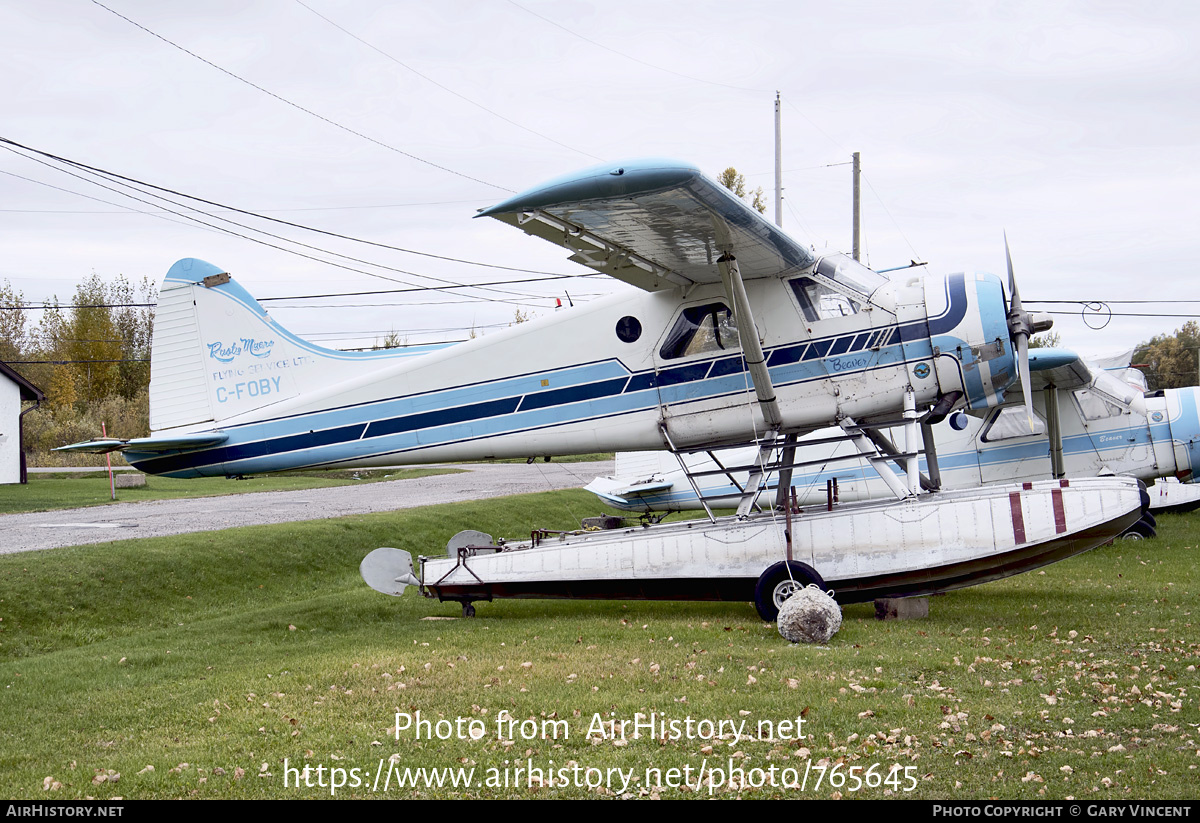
[{"x": 1021, "y": 326}]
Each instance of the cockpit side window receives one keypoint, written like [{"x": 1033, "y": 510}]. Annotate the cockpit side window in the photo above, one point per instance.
[
  {"x": 1012, "y": 421},
  {"x": 819, "y": 302},
  {"x": 700, "y": 329},
  {"x": 1095, "y": 406}
]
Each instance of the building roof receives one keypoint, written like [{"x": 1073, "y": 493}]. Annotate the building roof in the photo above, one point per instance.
[{"x": 28, "y": 390}]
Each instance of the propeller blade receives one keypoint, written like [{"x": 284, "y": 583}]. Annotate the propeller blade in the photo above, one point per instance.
[
  {"x": 1014, "y": 304},
  {"x": 1023, "y": 358},
  {"x": 1019, "y": 329}
]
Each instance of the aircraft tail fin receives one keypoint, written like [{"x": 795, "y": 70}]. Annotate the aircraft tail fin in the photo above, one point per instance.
[{"x": 218, "y": 355}]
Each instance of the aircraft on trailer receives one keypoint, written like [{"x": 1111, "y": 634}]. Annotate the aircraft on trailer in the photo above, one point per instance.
[
  {"x": 1087, "y": 421},
  {"x": 738, "y": 334}
]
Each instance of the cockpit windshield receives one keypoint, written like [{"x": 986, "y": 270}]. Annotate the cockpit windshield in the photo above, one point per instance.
[{"x": 850, "y": 273}]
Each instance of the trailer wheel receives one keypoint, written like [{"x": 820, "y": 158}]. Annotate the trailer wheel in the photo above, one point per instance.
[
  {"x": 1140, "y": 530},
  {"x": 777, "y": 585}
]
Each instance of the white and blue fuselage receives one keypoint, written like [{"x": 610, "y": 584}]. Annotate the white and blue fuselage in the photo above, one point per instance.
[{"x": 601, "y": 377}]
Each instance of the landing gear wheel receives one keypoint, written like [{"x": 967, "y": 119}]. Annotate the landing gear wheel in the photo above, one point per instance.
[
  {"x": 468, "y": 608},
  {"x": 777, "y": 585}
]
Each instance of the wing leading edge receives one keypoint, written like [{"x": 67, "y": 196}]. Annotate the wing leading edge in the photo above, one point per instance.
[{"x": 656, "y": 224}]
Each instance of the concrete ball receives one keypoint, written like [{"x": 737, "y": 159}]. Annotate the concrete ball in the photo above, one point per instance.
[{"x": 809, "y": 616}]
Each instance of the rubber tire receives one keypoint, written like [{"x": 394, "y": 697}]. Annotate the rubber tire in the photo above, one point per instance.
[
  {"x": 1140, "y": 530},
  {"x": 772, "y": 583},
  {"x": 1148, "y": 517}
]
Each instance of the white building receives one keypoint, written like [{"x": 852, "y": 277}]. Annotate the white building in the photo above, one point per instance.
[{"x": 13, "y": 390}]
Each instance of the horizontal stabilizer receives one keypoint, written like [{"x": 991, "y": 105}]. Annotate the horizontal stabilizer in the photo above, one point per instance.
[
  {"x": 638, "y": 495},
  {"x": 179, "y": 442},
  {"x": 94, "y": 447}
]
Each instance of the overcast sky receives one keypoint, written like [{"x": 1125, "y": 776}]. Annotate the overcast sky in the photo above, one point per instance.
[{"x": 1072, "y": 126}]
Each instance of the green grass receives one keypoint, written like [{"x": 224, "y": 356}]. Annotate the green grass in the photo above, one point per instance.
[
  {"x": 69, "y": 490},
  {"x": 203, "y": 654}
]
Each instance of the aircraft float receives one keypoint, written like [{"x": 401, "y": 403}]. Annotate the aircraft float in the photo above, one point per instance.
[
  {"x": 737, "y": 334},
  {"x": 1087, "y": 421}
]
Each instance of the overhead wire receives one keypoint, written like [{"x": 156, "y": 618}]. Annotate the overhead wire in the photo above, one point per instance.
[
  {"x": 121, "y": 210},
  {"x": 230, "y": 232},
  {"x": 298, "y": 107},
  {"x": 132, "y": 184},
  {"x": 635, "y": 59},
  {"x": 131, "y": 180},
  {"x": 445, "y": 88}
]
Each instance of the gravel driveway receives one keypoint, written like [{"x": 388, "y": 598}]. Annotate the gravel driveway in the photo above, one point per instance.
[{"x": 157, "y": 518}]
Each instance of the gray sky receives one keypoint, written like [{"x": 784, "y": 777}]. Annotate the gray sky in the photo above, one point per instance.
[{"x": 1069, "y": 125}]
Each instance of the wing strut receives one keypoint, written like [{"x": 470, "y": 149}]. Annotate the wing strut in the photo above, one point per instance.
[
  {"x": 1057, "y": 470},
  {"x": 752, "y": 351},
  {"x": 756, "y": 364}
]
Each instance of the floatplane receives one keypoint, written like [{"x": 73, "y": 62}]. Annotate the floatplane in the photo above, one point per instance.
[
  {"x": 737, "y": 334},
  {"x": 1088, "y": 420}
]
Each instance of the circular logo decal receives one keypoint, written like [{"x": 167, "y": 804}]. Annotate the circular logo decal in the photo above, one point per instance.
[
  {"x": 921, "y": 371},
  {"x": 1157, "y": 417}
]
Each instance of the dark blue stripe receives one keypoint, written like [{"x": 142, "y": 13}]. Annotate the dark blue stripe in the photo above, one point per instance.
[
  {"x": 291, "y": 442},
  {"x": 818, "y": 350},
  {"x": 682, "y": 374},
  {"x": 443, "y": 417},
  {"x": 956, "y": 311},
  {"x": 573, "y": 394},
  {"x": 839, "y": 346},
  {"x": 726, "y": 366},
  {"x": 641, "y": 382},
  {"x": 787, "y": 355}
]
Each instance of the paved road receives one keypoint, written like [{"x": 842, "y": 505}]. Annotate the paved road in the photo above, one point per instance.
[{"x": 157, "y": 518}]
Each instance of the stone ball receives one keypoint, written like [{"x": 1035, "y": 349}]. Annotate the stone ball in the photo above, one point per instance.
[{"x": 809, "y": 616}]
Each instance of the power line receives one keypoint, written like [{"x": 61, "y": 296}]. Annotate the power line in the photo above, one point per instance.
[
  {"x": 115, "y": 177},
  {"x": 429, "y": 79},
  {"x": 298, "y": 107},
  {"x": 130, "y": 183},
  {"x": 634, "y": 59},
  {"x": 1112, "y": 302},
  {"x": 124, "y": 211}
]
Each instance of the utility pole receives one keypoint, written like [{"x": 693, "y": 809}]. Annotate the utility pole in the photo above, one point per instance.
[
  {"x": 857, "y": 170},
  {"x": 778, "y": 165}
]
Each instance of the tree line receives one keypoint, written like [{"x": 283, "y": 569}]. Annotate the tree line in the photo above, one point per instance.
[{"x": 91, "y": 358}]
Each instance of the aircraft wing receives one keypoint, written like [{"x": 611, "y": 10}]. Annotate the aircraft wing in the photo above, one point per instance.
[
  {"x": 656, "y": 224},
  {"x": 180, "y": 442},
  {"x": 1056, "y": 367}
]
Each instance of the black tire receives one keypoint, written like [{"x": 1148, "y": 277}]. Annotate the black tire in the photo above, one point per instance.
[
  {"x": 1140, "y": 530},
  {"x": 1148, "y": 517},
  {"x": 776, "y": 585}
]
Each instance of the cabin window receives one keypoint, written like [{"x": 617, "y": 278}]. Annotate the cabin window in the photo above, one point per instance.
[
  {"x": 820, "y": 302},
  {"x": 701, "y": 329},
  {"x": 629, "y": 329},
  {"x": 1095, "y": 406},
  {"x": 1012, "y": 421}
]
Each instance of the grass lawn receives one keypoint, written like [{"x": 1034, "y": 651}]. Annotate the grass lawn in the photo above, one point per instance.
[
  {"x": 47, "y": 492},
  {"x": 220, "y": 664}
]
